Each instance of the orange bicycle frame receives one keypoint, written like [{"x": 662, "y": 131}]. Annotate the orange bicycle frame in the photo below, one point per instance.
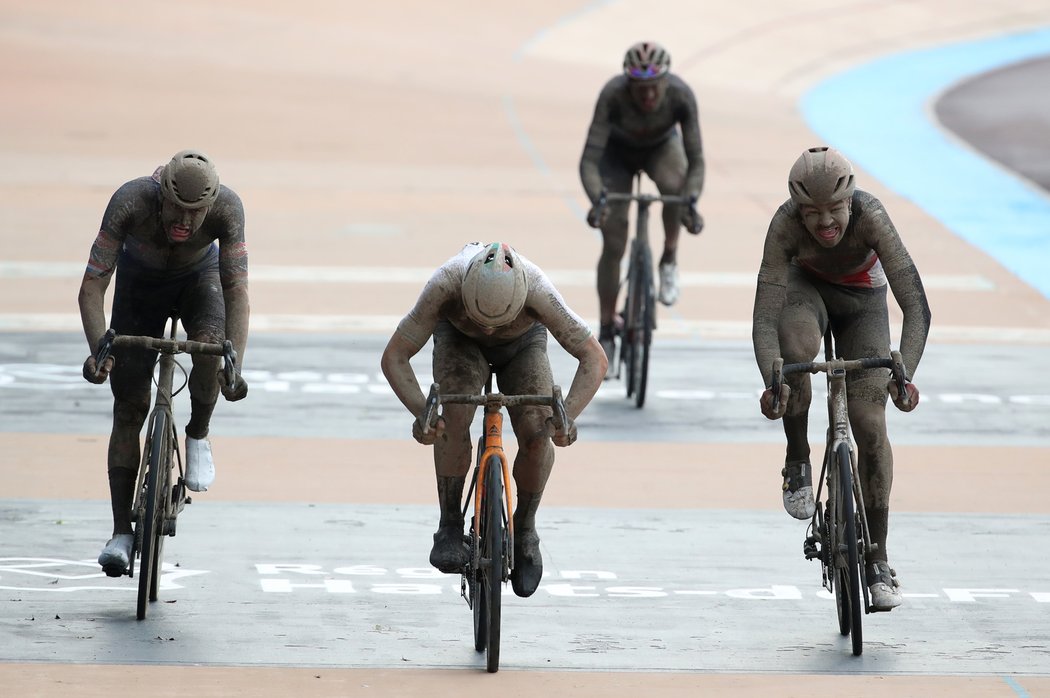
[{"x": 494, "y": 447}]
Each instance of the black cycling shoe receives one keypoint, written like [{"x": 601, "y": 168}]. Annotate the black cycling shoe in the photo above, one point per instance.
[
  {"x": 450, "y": 553},
  {"x": 528, "y": 563}
]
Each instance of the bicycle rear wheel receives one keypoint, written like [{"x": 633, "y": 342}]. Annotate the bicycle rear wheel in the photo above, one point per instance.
[
  {"x": 849, "y": 576},
  {"x": 492, "y": 557},
  {"x": 151, "y": 526}
]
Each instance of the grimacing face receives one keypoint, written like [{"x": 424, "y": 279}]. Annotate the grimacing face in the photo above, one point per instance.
[
  {"x": 181, "y": 223},
  {"x": 648, "y": 94},
  {"x": 827, "y": 223}
]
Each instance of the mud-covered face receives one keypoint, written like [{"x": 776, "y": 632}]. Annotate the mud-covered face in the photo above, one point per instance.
[
  {"x": 827, "y": 222},
  {"x": 181, "y": 223},
  {"x": 648, "y": 94}
]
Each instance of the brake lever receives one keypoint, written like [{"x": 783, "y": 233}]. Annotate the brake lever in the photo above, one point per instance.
[
  {"x": 105, "y": 349},
  {"x": 559, "y": 418},
  {"x": 430, "y": 416},
  {"x": 778, "y": 378}
]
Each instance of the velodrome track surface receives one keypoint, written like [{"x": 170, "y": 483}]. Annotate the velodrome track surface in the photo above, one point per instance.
[{"x": 368, "y": 148}]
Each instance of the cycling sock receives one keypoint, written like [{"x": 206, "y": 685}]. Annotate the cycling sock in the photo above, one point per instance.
[
  {"x": 878, "y": 524},
  {"x": 450, "y": 497},
  {"x": 200, "y": 418},
  {"x": 525, "y": 512},
  {"x": 121, "y": 491}
]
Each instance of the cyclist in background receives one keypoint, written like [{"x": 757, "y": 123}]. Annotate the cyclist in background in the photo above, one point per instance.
[
  {"x": 159, "y": 235},
  {"x": 645, "y": 120},
  {"x": 490, "y": 307},
  {"x": 830, "y": 252}
]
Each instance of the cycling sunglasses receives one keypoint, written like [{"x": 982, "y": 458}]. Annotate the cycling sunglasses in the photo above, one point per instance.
[{"x": 645, "y": 73}]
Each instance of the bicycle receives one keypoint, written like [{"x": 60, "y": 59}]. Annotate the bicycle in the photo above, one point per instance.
[
  {"x": 838, "y": 535},
  {"x": 158, "y": 501},
  {"x": 639, "y": 304},
  {"x": 491, "y": 536}
]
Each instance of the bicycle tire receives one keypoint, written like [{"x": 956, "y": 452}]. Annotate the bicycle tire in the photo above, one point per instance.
[
  {"x": 627, "y": 347},
  {"x": 493, "y": 538},
  {"x": 643, "y": 342},
  {"x": 848, "y": 533},
  {"x": 478, "y": 604},
  {"x": 635, "y": 320},
  {"x": 151, "y": 524},
  {"x": 167, "y": 495}
]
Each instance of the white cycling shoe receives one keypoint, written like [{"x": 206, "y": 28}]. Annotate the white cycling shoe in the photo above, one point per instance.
[
  {"x": 200, "y": 468},
  {"x": 116, "y": 556},
  {"x": 798, "y": 489},
  {"x": 885, "y": 590},
  {"x": 669, "y": 283}
]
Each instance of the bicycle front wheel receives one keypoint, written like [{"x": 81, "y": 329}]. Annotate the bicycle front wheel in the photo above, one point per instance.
[
  {"x": 849, "y": 575},
  {"x": 643, "y": 341},
  {"x": 151, "y": 526},
  {"x": 638, "y": 324},
  {"x": 493, "y": 538}
]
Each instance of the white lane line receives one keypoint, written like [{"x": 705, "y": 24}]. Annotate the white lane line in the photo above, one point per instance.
[
  {"x": 385, "y": 324},
  {"x": 419, "y": 275}
]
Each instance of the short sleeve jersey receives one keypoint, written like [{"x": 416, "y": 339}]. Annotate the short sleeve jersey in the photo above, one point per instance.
[{"x": 131, "y": 225}]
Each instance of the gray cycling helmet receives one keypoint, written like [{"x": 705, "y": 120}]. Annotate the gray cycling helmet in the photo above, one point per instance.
[
  {"x": 190, "y": 180},
  {"x": 494, "y": 286},
  {"x": 820, "y": 177},
  {"x": 646, "y": 60}
]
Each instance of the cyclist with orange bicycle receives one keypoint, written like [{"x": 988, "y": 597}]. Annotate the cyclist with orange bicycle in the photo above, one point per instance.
[
  {"x": 176, "y": 242},
  {"x": 489, "y": 309},
  {"x": 830, "y": 253},
  {"x": 645, "y": 120}
]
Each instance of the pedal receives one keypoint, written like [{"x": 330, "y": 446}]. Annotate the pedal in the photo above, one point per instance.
[
  {"x": 114, "y": 571},
  {"x": 811, "y": 548}
]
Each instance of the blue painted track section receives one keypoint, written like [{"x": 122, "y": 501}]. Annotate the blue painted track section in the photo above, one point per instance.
[{"x": 880, "y": 116}]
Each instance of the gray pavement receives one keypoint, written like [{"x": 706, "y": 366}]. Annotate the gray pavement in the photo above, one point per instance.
[
  {"x": 682, "y": 590},
  {"x": 700, "y": 391},
  {"x": 1006, "y": 116}
]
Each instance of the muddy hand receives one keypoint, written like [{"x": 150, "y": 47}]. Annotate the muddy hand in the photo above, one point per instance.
[
  {"x": 564, "y": 437},
  {"x": 770, "y": 410},
  {"x": 907, "y": 402},
  {"x": 431, "y": 435},
  {"x": 94, "y": 374}
]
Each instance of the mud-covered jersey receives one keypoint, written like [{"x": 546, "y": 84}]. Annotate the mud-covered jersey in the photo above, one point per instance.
[
  {"x": 442, "y": 299},
  {"x": 131, "y": 226},
  {"x": 618, "y": 120},
  {"x": 870, "y": 254}
]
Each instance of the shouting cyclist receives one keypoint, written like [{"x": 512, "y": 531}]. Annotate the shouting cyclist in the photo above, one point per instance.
[
  {"x": 645, "y": 120},
  {"x": 159, "y": 235},
  {"x": 829, "y": 255},
  {"x": 489, "y": 308}
]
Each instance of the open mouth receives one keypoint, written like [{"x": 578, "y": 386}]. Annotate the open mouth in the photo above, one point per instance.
[
  {"x": 179, "y": 233},
  {"x": 828, "y": 234}
]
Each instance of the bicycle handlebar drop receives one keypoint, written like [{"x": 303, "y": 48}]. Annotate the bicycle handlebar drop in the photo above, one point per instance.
[
  {"x": 495, "y": 400},
  {"x": 840, "y": 367}
]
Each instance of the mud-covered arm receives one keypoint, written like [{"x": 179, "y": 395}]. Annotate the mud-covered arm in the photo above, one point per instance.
[
  {"x": 233, "y": 271},
  {"x": 573, "y": 334},
  {"x": 91, "y": 300},
  {"x": 597, "y": 138},
  {"x": 691, "y": 141},
  {"x": 770, "y": 292},
  {"x": 906, "y": 285},
  {"x": 411, "y": 335},
  {"x": 102, "y": 262},
  {"x": 399, "y": 374}
]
